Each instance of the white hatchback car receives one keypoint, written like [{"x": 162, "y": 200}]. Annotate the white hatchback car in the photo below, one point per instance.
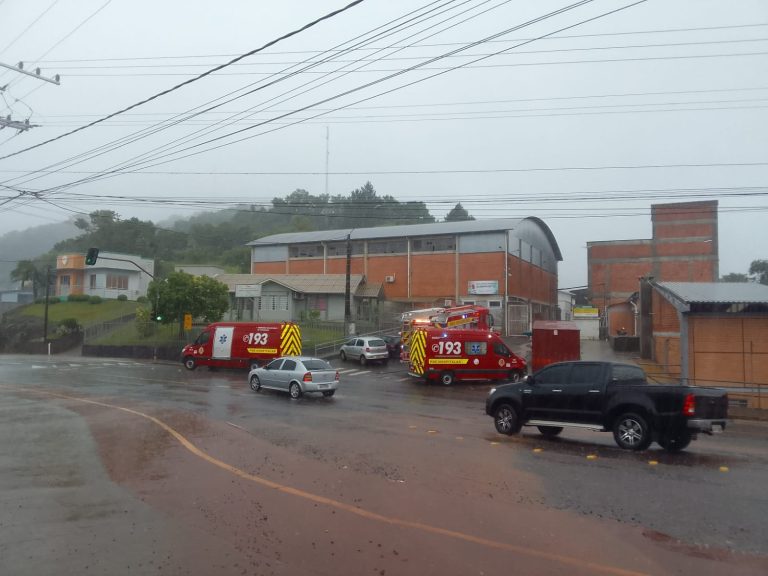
[{"x": 365, "y": 349}]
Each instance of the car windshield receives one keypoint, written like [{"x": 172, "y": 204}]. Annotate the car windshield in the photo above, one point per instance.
[
  {"x": 376, "y": 342},
  {"x": 317, "y": 364}
]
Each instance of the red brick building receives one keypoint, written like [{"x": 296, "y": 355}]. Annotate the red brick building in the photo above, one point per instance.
[
  {"x": 709, "y": 334},
  {"x": 683, "y": 248},
  {"x": 509, "y": 265}
]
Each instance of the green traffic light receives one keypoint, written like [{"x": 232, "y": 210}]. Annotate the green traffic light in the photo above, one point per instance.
[{"x": 91, "y": 256}]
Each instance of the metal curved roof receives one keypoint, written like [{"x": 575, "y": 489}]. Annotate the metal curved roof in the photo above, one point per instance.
[{"x": 409, "y": 231}]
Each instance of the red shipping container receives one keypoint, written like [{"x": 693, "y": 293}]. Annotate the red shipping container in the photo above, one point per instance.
[{"x": 554, "y": 341}]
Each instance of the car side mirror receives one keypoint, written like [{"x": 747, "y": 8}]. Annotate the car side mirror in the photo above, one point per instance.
[{"x": 530, "y": 380}]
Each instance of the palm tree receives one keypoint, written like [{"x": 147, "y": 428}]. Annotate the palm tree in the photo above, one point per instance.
[{"x": 26, "y": 271}]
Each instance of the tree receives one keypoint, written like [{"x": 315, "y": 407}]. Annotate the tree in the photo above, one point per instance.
[
  {"x": 181, "y": 293},
  {"x": 734, "y": 277},
  {"x": 458, "y": 214},
  {"x": 759, "y": 269},
  {"x": 27, "y": 271}
]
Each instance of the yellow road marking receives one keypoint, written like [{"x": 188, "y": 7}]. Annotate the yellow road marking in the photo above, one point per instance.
[{"x": 392, "y": 521}]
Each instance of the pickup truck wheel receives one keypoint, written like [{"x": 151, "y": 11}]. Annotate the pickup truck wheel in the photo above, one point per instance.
[
  {"x": 676, "y": 443},
  {"x": 446, "y": 378},
  {"x": 189, "y": 363},
  {"x": 631, "y": 432},
  {"x": 550, "y": 431},
  {"x": 505, "y": 419}
]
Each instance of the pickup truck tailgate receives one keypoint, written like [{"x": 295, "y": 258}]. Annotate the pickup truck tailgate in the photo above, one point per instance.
[{"x": 711, "y": 404}]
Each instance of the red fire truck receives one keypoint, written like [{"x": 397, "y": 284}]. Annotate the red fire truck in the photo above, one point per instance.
[
  {"x": 468, "y": 317},
  {"x": 451, "y": 355},
  {"x": 242, "y": 344}
]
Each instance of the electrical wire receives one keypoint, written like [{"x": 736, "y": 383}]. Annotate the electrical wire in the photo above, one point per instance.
[
  {"x": 358, "y": 88},
  {"x": 136, "y": 136},
  {"x": 442, "y": 44},
  {"x": 401, "y": 58},
  {"x": 191, "y": 80}
]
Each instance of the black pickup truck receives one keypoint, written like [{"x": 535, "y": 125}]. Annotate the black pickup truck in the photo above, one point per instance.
[{"x": 608, "y": 396}]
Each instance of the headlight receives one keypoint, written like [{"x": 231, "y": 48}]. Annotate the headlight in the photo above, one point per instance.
[{"x": 491, "y": 391}]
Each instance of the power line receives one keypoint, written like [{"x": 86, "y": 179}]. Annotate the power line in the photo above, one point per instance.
[
  {"x": 468, "y": 66},
  {"x": 191, "y": 80},
  {"x": 636, "y": 108},
  {"x": 43, "y": 13},
  {"x": 141, "y": 134},
  {"x": 369, "y": 84},
  {"x": 657, "y": 31},
  {"x": 400, "y": 58},
  {"x": 409, "y": 24},
  {"x": 436, "y": 171},
  {"x": 469, "y": 102}
]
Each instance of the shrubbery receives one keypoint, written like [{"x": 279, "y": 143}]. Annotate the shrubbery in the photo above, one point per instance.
[
  {"x": 122, "y": 297},
  {"x": 95, "y": 300}
]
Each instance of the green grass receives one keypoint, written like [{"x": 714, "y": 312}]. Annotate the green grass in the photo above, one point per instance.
[{"x": 85, "y": 313}]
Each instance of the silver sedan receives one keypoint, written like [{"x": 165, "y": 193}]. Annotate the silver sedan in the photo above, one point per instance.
[{"x": 296, "y": 375}]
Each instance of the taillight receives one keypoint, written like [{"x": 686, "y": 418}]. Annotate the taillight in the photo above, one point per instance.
[
  {"x": 689, "y": 405},
  {"x": 337, "y": 374},
  {"x": 307, "y": 377}
]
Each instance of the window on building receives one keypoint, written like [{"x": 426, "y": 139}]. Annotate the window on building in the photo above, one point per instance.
[
  {"x": 340, "y": 248},
  {"x": 64, "y": 281},
  {"x": 395, "y": 246},
  {"x": 433, "y": 244},
  {"x": 306, "y": 251},
  {"x": 273, "y": 303},
  {"x": 117, "y": 282},
  {"x": 93, "y": 281}
]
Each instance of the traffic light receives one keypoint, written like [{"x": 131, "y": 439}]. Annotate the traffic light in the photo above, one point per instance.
[{"x": 91, "y": 256}]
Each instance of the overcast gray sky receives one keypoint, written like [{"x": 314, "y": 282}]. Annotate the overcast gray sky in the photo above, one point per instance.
[{"x": 662, "y": 101}]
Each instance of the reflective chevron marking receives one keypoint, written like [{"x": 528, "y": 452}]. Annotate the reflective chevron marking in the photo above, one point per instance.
[{"x": 290, "y": 339}]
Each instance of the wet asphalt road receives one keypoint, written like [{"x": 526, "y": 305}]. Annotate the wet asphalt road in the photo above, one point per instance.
[{"x": 122, "y": 467}]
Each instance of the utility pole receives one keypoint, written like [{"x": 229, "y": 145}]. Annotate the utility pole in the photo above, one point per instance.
[
  {"x": 350, "y": 327},
  {"x": 24, "y": 125},
  {"x": 45, "y": 320},
  {"x": 20, "y": 125}
]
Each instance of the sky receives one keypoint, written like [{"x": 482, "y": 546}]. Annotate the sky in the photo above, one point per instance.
[{"x": 583, "y": 114}]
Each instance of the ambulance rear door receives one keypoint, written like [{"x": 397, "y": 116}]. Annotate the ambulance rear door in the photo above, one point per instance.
[{"x": 222, "y": 342}]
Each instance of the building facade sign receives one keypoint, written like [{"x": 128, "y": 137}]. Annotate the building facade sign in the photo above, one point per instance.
[
  {"x": 483, "y": 287},
  {"x": 248, "y": 291},
  {"x": 586, "y": 312}
]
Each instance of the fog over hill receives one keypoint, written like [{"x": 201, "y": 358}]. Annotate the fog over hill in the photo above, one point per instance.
[{"x": 29, "y": 244}]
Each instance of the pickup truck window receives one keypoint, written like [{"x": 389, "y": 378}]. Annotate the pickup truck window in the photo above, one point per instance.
[
  {"x": 623, "y": 374},
  {"x": 554, "y": 374},
  {"x": 586, "y": 373}
]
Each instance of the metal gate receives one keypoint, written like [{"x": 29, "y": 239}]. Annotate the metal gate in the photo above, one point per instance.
[{"x": 518, "y": 319}]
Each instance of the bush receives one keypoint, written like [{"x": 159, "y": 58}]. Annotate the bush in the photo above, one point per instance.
[
  {"x": 69, "y": 325},
  {"x": 95, "y": 300},
  {"x": 140, "y": 299},
  {"x": 122, "y": 297},
  {"x": 78, "y": 298}
]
